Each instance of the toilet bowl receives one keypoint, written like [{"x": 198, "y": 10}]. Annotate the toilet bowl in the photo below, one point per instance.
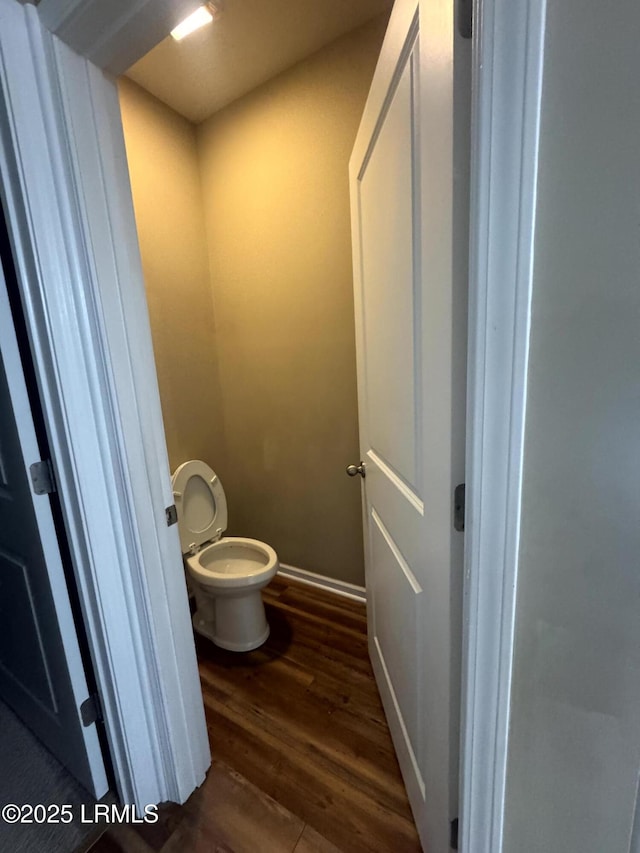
[{"x": 226, "y": 574}]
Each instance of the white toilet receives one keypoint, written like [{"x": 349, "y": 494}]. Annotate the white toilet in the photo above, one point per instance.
[{"x": 226, "y": 573}]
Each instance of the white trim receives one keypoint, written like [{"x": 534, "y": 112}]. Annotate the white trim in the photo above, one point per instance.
[
  {"x": 395, "y": 721},
  {"x": 508, "y": 56},
  {"x": 347, "y": 590},
  {"x": 64, "y": 176},
  {"x": 397, "y": 481},
  {"x": 406, "y": 569}
]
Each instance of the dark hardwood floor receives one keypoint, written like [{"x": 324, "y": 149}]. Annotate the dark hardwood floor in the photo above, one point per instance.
[{"x": 302, "y": 757}]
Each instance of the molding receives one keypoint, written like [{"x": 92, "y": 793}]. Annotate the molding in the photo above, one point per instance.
[
  {"x": 413, "y": 781},
  {"x": 508, "y": 57},
  {"x": 115, "y": 34},
  {"x": 71, "y": 222},
  {"x": 347, "y": 590},
  {"x": 399, "y": 41}
]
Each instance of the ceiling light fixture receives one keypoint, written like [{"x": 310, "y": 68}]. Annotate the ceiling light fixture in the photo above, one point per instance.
[{"x": 203, "y": 15}]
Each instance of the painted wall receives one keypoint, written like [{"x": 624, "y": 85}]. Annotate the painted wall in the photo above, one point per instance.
[
  {"x": 244, "y": 230},
  {"x": 574, "y": 745},
  {"x": 276, "y": 197},
  {"x": 165, "y": 181}
]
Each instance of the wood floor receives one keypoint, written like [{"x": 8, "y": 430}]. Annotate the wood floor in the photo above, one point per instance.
[{"x": 302, "y": 757}]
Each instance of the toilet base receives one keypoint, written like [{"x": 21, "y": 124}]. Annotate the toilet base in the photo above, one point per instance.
[
  {"x": 237, "y": 624},
  {"x": 203, "y": 630}
]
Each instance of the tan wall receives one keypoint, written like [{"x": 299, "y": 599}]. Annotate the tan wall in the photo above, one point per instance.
[
  {"x": 274, "y": 168},
  {"x": 165, "y": 181},
  {"x": 264, "y": 390}
]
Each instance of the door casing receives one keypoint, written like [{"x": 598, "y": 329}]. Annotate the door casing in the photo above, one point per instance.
[
  {"x": 507, "y": 88},
  {"x": 74, "y": 242}
]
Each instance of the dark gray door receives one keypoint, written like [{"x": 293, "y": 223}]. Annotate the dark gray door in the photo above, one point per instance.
[{"x": 41, "y": 671}]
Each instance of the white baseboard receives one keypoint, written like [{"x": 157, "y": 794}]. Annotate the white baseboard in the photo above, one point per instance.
[{"x": 347, "y": 590}]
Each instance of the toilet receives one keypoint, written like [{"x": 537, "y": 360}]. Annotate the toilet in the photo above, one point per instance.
[{"x": 226, "y": 574}]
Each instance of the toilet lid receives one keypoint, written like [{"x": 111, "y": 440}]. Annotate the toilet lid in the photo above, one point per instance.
[{"x": 201, "y": 504}]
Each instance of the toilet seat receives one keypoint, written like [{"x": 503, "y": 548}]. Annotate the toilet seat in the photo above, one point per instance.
[{"x": 201, "y": 505}]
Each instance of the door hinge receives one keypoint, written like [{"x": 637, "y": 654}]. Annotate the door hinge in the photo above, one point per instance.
[
  {"x": 458, "y": 507},
  {"x": 42, "y": 477},
  {"x": 91, "y": 710},
  {"x": 453, "y": 840},
  {"x": 172, "y": 514}
]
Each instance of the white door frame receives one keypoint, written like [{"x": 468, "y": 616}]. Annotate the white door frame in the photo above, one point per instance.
[
  {"x": 66, "y": 192},
  {"x": 507, "y": 75},
  {"x": 65, "y": 179}
]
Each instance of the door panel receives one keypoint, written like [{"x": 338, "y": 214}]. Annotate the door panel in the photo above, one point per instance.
[
  {"x": 409, "y": 342},
  {"x": 397, "y": 594},
  {"x": 41, "y": 672},
  {"x": 22, "y": 653},
  {"x": 386, "y": 204}
]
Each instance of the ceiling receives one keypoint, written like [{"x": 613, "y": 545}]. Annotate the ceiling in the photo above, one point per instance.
[{"x": 252, "y": 41}]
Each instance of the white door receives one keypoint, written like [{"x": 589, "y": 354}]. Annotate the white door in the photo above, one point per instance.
[
  {"x": 41, "y": 672},
  {"x": 410, "y": 301}
]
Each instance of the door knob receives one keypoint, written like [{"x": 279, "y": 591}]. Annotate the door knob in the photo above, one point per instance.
[{"x": 353, "y": 470}]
